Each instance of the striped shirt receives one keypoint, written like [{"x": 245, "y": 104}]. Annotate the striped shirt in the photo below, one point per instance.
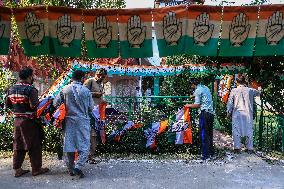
[{"x": 204, "y": 98}]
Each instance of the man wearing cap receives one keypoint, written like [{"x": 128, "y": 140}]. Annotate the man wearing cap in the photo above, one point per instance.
[
  {"x": 240, "y": 109},
  {"x": 95, "y": 85}
]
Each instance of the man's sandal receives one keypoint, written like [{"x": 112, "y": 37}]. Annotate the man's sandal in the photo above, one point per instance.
[
  {"x": 40, "y": 172},
  {"x": 20, "y": 172}
]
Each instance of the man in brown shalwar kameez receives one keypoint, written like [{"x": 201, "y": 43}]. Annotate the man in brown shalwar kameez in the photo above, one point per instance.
[{"x": 22, "y": 99}]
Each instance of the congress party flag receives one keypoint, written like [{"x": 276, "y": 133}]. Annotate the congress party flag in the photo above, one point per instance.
[
  {"x": 152, "y": 132},
  {"x": 238, "y": 31},
  {"x": 171, "y": 24},
  {"x": 101, "y": 33},
  {"x": 5, "y": 30},
  {"x": 32, "y": 24},
  {"x": 180, "y": 131},
  {"x": 269, "y": 40},
  {"x": 203, "y": 30},
  {"x": 135, "y": 33},
  {"x": 65, "y": 28},
  {"x": 117, "y": 134}
]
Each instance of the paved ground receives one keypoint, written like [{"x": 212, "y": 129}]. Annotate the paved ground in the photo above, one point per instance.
[{"x": 233, "y": 172}]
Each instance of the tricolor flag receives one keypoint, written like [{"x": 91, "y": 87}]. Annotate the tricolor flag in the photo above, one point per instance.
[
  {"x": 269, "y": 40},
  {"x": 32, "y": 24},
  {"x": 238, "y": 31},
  {"x": 171, "y": 25},
  {"x": 44, "y": 105},
  {"x": 59, "y": 116},
  {"x": 65, "y": 28},
  {"x": 203, "y": 30},
  {"x": 135, "y": 33},
  {"x": 151, "y": 133},
  {"x": 181, "y": 127},
  {"x": 130, "y": 125},
  {"x": 101, "y": 33},
  {"x": 5, "y": 30},
  {"x": 100, "y": 116}
]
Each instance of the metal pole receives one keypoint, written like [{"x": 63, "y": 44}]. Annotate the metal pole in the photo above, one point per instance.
[{"x": 140, "y": 78}]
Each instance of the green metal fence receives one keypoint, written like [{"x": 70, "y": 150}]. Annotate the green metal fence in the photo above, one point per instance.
[
  {"x": 268, "y": 129},
  {"x": 268, "y": 126}
]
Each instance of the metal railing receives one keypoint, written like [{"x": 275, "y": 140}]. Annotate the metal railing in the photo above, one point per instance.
[{"x": 268, "y": 129}]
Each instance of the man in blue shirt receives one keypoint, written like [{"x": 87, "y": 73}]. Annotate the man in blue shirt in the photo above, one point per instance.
[{"x": 203, "y": 101}]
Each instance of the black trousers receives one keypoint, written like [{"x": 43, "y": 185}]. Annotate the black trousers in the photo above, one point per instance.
[{"x": 206, "y": 120}]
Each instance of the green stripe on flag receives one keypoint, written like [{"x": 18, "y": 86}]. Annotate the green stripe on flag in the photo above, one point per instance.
[
  {"x": 4, "y": 46},
  {"x": 246, "y": 49},
  {"x": 74, "y": 50},
  {"x": 110, "y": 52},
  {"x": 128, "y": 52},
  {"x": 166, "y": 50},
  {"x": 263, "y": 49},
  {"x": 32, "y": 50},
  {"x": 209, "y": 49}
]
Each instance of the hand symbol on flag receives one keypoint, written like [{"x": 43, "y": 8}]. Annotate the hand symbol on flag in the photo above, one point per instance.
[
  {"x": 275, "y": 28},
  {"x": 136, "y": 34},
  {"x": 65, "y": 30},
  {"x": 102, "y": 32},
  {"x": 2, "y": 29},
  {"x": 202, "y": 29},
  {"x": 34, "y": 29},
  {"x": 239, "y": 30},
  {"x": 172, "y": 29}
]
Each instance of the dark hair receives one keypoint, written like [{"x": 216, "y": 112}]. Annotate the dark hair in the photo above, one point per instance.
[
  {"x": 78, "y": 75},
  {"x": 25, "y": 73},
  {"x": 195, "y": 81},
  {"x": 242, "y": 79},
  {"x": 101, "y": 71}
]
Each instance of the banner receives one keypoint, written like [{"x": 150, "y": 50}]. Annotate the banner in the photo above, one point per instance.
[
  {"x": 5, "y": 30},
  {"x": 171, "y": 26},
  {"x": 101, "y": 33},
  {"x": 152, "y": 132},
  {"x": 117, "y": 134},
  {"x": 238, "y": 31},
  {"x": 32, "y": 25},
  {"x": 135, "y": 33},
  {"x": 269, "y": 41},
  {"x": 180, "y": 132},
  {"x": 65, "y": 27},
  {"x": 203, "y": 30}
]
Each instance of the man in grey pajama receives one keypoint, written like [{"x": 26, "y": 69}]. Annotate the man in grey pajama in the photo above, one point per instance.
[
  {"x": 240, "y": 108},
  {"x": 78, "y": 101}
]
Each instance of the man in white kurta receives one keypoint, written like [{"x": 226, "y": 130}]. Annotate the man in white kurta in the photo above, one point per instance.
[
  {"x": 240, "y": 107},
  {"x": 79, "y": 103}
]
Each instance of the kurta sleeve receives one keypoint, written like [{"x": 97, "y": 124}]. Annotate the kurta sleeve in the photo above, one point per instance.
[
  {"x": 230, "y": 104},
  {"x": 33, "y": 98}
]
